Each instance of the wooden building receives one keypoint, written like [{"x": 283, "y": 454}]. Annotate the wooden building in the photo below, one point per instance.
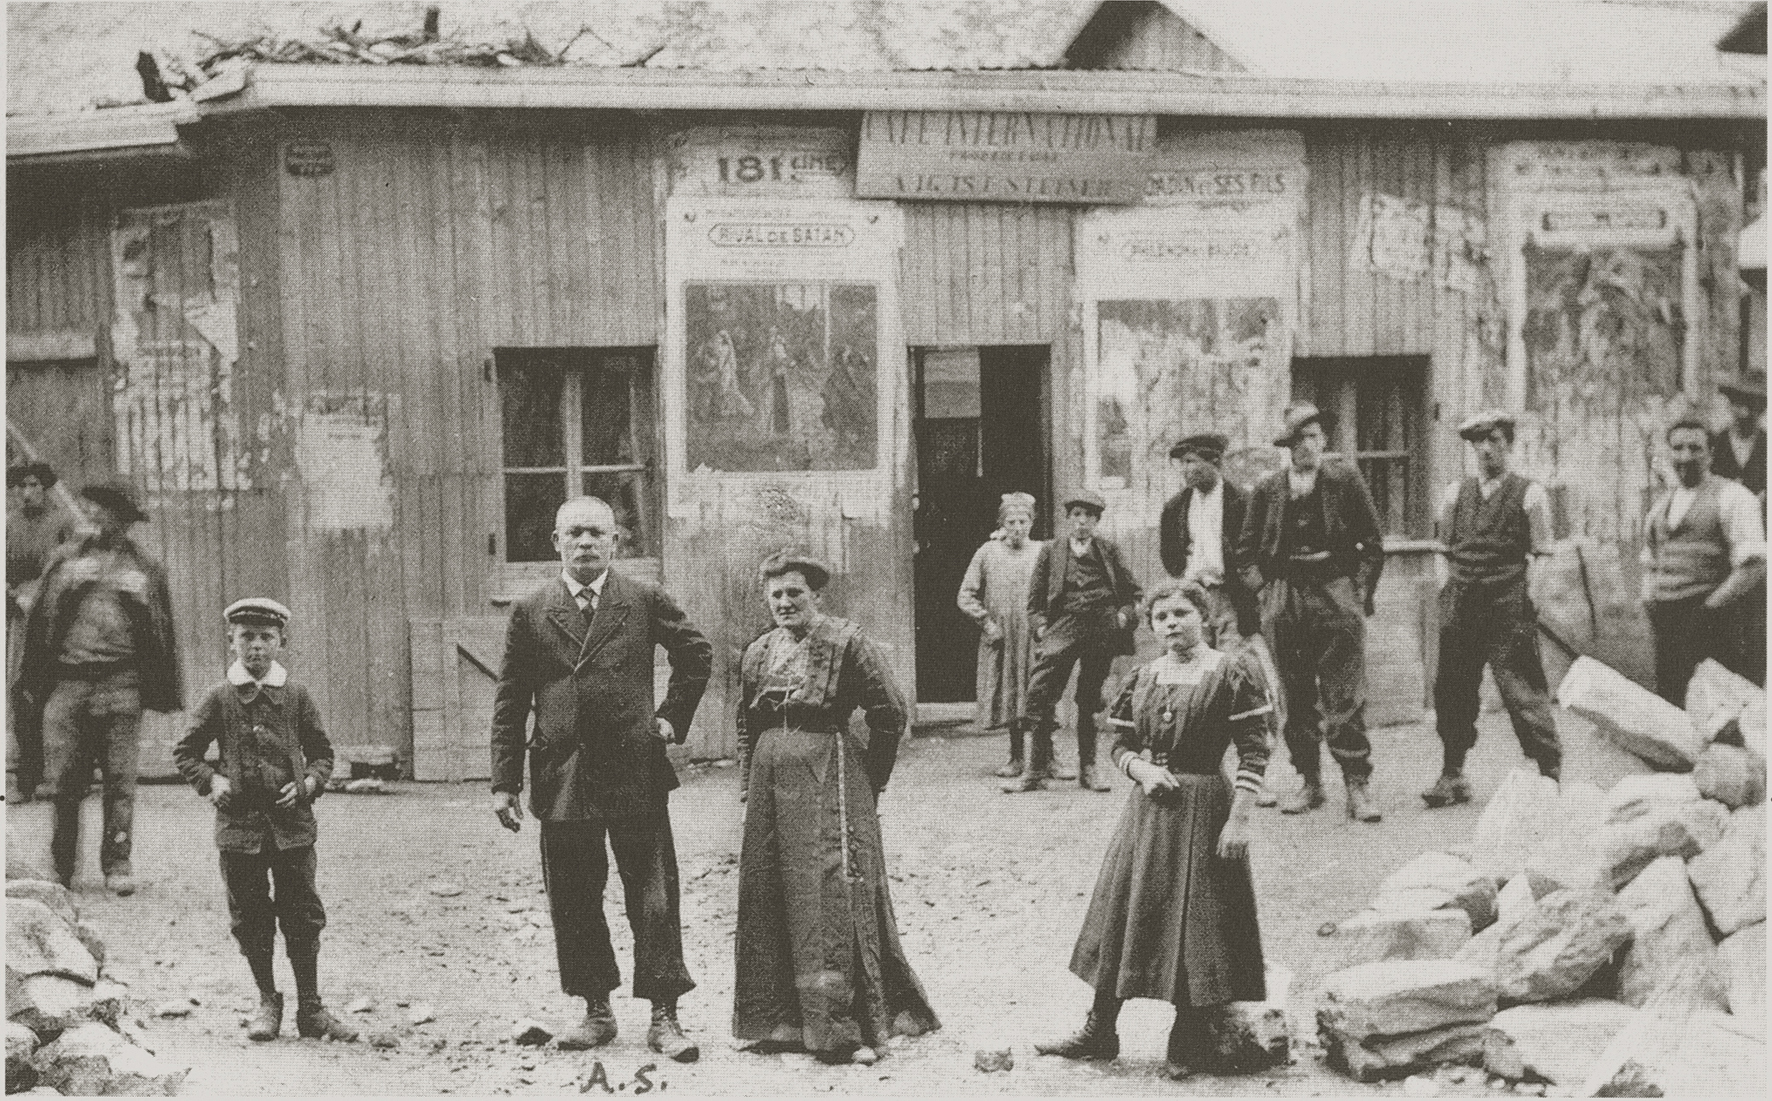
[{"x": 356, "y": 330}]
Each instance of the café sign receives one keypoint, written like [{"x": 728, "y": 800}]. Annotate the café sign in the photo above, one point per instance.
[{"x": 1004, "y": 157}]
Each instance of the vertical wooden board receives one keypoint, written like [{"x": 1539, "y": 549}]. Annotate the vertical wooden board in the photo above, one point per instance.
[
  {"x": 914, "y": 278},
  {"x": 1329, "y": 250},
  {"x": 1359, "y": 291},
  {"x": 1388, "y": 175},
  {"x": 1447, "y": 366}
]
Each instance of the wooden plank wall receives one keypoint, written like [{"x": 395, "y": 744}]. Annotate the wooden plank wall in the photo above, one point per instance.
[{"x": 434, "y": 241}]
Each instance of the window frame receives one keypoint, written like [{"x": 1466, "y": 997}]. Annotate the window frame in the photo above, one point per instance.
[{"x": 1333, "y": 383}]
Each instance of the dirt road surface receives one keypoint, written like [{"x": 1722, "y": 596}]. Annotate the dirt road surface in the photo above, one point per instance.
[{"x": 430, "y": 903}]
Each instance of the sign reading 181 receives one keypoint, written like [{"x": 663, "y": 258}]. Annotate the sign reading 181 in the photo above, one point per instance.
[{"x": 781, "y": 167}]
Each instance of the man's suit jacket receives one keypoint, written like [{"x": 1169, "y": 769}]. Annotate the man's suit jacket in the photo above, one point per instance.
[
  {"x": 595, "y": 752},
  {"x": 1751, "y": 474},
  {"x": 1047, "y": 583},
  {"x": 1175, "y": 543},
  {"x": 1356, "y": 546}
]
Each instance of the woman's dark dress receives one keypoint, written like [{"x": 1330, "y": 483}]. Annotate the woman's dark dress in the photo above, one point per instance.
[
  {"x": 1170, "y": 919},
  {"x": 819, "y": 962}
]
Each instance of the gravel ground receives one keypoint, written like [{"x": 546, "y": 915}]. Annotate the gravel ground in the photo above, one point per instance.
[{"x": 431, "y": 904}]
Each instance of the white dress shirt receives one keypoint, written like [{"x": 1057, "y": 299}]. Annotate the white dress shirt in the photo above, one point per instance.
[
  {"x": 1205, "y": 529},
  {"x": 1741, "y": 518}
]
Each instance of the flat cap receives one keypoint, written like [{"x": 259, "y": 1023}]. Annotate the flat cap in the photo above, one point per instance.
[
  {"x": 257, "y": 611},
  {"x": 1748, "y": 392},
  {"x": 1086, "y": 498},
  {"x": 788, "y": 560},
  {"x": 1298, "y": 415},
  {"x": 43, "y": 472},
  {"x": 1477, "y": 426},
  {"x": 1207, "y": 445}
]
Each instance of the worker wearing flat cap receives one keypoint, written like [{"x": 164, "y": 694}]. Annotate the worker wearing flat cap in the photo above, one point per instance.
[
  {"x": 1492, "y": 525},
  {"x": 1310, "y": 546},
  {"x": 1197, "y": 535},
  {"x": 99, "y": 648},
  {"x": 36, "y": 524},
  {"x": 1083, "y": 606},
  {"x": 1738, "y": 452},
  {"x": 274, "y": 761}
]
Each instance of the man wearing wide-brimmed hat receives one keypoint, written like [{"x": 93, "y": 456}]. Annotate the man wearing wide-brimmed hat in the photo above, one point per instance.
[
  {"x": 98, "y": 649},
  {"x": 1738, "y": 452},
  {"x": 35, "y": 526},
  {"x": 1310, "y": 546},
  {"x": 1492, "y": 524}
]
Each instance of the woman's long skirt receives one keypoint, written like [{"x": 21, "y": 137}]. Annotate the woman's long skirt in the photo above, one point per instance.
[
  {"x": 1170, "y": 919},
  {"x": 819, "y": 961}
]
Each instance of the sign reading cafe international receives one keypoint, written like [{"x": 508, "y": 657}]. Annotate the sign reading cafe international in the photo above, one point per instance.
[{"x": 1004, "y": 156}]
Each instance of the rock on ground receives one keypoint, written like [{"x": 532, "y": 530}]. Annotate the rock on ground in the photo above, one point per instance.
[
  {"x": 20, "y": 1043},
  {"x": 1452, "y": 879},
  {"x": 1629, "y": 715},
  {"x": 1635, "y": 796},
  {"x": 530, "y": 1032},
  {"x": 1731, "y": 775},
  {"x": 1515, "y": 821},
  {"x": 1555, "y": 949},
  {"x": 51, "y": 1003},
  {"x": 1422, "y": 935},
  {"x": 92, "y": 1060},
  {"x": 1399, "y": 1056},
  {"x": 1730, "y": 876},
  {"x": 1398, "y": 997},
  {"x": 1714, "y": 689},
  {"x": 1552, "y": 1043},
  {"x": 53, "y": 895},
  {"x": 1670, "y": 945},
  {"x": 1669, "y": 1050},
  {"x": 993, "y": 1061},
  {"x": 40, "y": 943},
  {"x": 1744, "y": 966},
  {"x": 1624, "y": 849},
  {"x": 1249, "y": 1036}
]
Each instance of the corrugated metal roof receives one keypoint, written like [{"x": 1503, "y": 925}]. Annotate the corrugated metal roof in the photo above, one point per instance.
[
  {"x": 1668, "y": 42},
  {"x": 67, "y": 56}
]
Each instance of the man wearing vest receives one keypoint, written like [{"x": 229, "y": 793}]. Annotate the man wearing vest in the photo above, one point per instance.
[
  {"x": 1703, "y": 552},
  {"x": 1310, "y": 546},
  {"x": 1492, "y": 526}
]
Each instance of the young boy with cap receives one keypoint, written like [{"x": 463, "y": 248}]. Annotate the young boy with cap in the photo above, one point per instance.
[{"x": 274, "y": 762}]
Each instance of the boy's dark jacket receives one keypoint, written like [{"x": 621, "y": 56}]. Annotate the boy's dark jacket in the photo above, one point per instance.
[
  {"x": 293, "y": 745},
  {"x": 1047, "y": 585}
]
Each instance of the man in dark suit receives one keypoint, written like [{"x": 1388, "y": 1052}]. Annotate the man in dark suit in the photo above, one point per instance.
[
  {"x": 1212, "y": 509},
  {"x": 578, "y": 654},
  {"x": 1738, "y": 452},
  {"x": 1082, "y": 606}
]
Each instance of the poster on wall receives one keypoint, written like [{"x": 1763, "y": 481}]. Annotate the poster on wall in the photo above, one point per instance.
[
  {"x": 1188, "y": 307},
  {"x": 784, "y": 354}
]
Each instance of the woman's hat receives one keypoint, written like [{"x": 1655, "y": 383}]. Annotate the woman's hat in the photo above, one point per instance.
[
  {"x": 1298, "y": 415},
  {"x": 118, "y": 496},
  {"x": 788, "y": 560},
  {"x": 43, "y": 472}
]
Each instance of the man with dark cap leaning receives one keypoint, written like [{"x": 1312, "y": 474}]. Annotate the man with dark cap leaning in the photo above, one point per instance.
[
  {"x": 99, "y": 648},
  {"x": 1493, "y": 524},
  {"x": 1082, "y": 606},
  {"x": 35, "y": 526},
  {"x": 1310, "y": 546},
  {"x": 1738, "y": 452}
]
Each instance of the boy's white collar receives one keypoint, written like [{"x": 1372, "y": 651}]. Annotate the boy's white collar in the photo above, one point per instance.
[{"x": 275, "y": 677}]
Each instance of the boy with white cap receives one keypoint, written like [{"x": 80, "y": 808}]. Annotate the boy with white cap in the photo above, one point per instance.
[{"x": 275, "y": 760}]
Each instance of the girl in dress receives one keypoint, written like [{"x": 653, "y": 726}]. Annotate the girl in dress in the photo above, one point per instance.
[{"x": 1173, "y": 917}]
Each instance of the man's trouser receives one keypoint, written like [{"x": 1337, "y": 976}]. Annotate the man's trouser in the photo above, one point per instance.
[
  {"x": 24, "y": 736},
  {"x": 1497, "y": 626},
  {"x": 254, "y": 915},
  {"x": 575, "y": 869},
  {"x": 92, "y": 715},
  {"x": 1318, "y": 638},
  {"x": 1065, "y": 646},
  {"x": 1685, "y": 632}
]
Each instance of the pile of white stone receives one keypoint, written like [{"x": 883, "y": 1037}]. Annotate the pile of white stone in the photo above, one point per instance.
[
  {"x": 1588, "y": 942},
  {"x": 66, "y": 1021}
]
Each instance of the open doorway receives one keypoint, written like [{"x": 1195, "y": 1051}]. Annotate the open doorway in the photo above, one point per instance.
[{"x": 981, "y": 428}]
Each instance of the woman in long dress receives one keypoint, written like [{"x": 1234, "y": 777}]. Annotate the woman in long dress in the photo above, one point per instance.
[
  {"x": 994, "y": 593},
  {"x": 1173, "y": 917},
  {"x": 820, "y": 968}
]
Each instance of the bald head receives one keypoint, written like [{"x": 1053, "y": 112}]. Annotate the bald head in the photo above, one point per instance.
[{"x": 584, "y": 534}]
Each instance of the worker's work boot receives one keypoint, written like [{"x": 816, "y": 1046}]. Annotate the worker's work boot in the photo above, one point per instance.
[
  {"x": 1360, "y": 804},
  {"x": 1309, "y": 796},
  {"x": 268, "y": 1021},
  {"x": 314, "y": 1022},
  {"x": 1451, "y": 788},
  {"x": 597, "y": 1028},
  {"x": 665, "y": 1035}
]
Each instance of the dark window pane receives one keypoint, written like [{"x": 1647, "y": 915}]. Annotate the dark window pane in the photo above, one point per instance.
[
  {"x": 530, "y": 399},
  {"x": 607, "y": 408},
  {"x": 626, "y": 494},
  {"x": 530, "y": 503}
]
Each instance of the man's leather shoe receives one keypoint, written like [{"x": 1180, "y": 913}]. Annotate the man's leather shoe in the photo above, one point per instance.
[
  {"x": 1309, "y": 796},
  {"x": 597, "y": 1028},
  {"x": 1029, "y": 780},
  {"x": 1089, "y": 781},
  {"x": 268, "y": 1021},
  {"x": 1360, "y": 804},
  {"x": 665, "y": 1036},
  {"x": 1063, "y": 772},
  {"x": 1097, "y": 1039},
  {"x": 1011, "y": 770},
  {"x": 1450, "y": 788},
  {"x": 122, "y": 884},
  {"x": 314, "y": 1022}
]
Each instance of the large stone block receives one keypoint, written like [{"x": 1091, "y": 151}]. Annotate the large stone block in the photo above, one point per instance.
[
  {"x": 1717, "y": 699},
  {"x": 1249, "y": 1036},
  {"x": 1397, "y": 997},
  {"x": 1421, "y": 935},
  {"x": 53, "y": 895},
  {"x": 1555, "y": 949},
  {"x": 1452, "y": 881},
  {"x": 1514, "y": 823},
  {"x": 1730, "y": 876},
  {"x": 1629, "y": 715},
  {"x": 1378, "y": 1058},
  {"x": 1635, "y": 796},
  {"x": 1552, "y": 1043},
  {"x": 1670, "y": 946},
  {"x": 1733, "y": 776},
  {"x": 1677, "y": 1051},
  {"x": 50, "y": 1003},
  {"x": 40, "y": 943},
  {"x": 21, "y": 1042},
  {"x": 1744, "y": 967},
  {"x": 91, "y": 1060},
  {"x": 1684, "y": 830}
]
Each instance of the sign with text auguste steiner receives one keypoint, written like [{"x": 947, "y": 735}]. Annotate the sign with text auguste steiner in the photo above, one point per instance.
[{"x": 1004, "y": 157}]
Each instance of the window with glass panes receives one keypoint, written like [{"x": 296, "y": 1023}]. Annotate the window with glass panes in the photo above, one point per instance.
[
  {"x": 577, "y": 421},
  {"x": 1375, "y": 412}
]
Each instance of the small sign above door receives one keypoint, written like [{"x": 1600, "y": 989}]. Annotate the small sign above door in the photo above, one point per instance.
[
  {"x": 308, "y": 158},
  {"x": 971, "y": 156}
]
